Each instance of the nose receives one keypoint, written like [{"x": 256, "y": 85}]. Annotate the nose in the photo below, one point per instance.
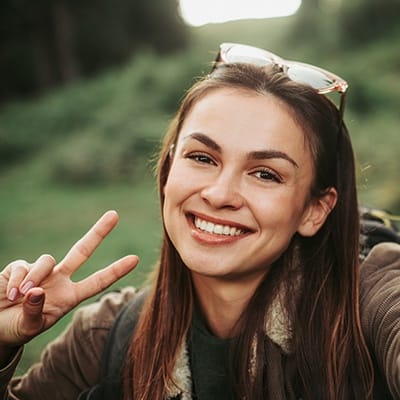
[{"x": 224, "y": 191}]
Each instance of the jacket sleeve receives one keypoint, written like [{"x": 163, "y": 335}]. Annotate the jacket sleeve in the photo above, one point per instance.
[
  {"x": 380, "y": 310},
  {"x": 71, "y": 363},
  {"x": 7, "y": 372}
]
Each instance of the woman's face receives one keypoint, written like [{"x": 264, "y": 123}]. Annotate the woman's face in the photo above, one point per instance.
[{"x": 238, "y": 185}]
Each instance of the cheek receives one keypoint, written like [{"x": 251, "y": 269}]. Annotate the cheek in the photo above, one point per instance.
[
  {"x": 182, "y": 182},
  {"x": 281, "y": 211},
  {"x": 175, "y": 191},
  {"x": 172, "y": 183},
  {"x": 169, "y": 198}
]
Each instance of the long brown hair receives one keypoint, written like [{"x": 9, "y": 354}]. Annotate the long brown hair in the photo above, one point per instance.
[{"x": 331, "y": 357}]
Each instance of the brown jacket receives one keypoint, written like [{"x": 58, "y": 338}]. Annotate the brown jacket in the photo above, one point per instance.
[{"x": 71, "y": 363}]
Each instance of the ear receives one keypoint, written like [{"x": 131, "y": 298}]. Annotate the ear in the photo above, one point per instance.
[{"x": 316, "y": 213}]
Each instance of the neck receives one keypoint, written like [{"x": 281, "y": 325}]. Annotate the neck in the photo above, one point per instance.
[{"x": 222, "y": 302}]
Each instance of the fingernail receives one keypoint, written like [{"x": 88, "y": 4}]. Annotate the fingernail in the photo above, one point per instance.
[
  {"x": 36, "y": 298},
  {"x": 12, "y": 295},
  {"x": 27, "y": 285}
]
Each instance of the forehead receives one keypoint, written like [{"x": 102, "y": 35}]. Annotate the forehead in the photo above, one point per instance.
[{"x": 244, "y": 116}]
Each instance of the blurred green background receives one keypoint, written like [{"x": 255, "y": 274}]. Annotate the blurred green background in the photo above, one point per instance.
[{"x": 78, "y": 131}]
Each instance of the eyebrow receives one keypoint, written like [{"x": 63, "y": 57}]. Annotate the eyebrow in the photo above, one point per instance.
[
  {"x": 253, "y": 155},
  {"x": 206, "y": 140},
  {"x": 269, "y": 154}
]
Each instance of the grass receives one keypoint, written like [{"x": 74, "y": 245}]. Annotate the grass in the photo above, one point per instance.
[{"x": 40, "y": 218}]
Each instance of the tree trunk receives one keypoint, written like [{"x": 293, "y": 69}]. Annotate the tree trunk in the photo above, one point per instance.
[{"x": 64, "y": 41}]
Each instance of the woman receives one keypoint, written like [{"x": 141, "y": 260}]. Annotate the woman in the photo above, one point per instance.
[{"x": 256, "y": 292}]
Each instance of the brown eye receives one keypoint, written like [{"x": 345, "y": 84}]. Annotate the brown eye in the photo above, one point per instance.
[{"x": 267, "y": 175}]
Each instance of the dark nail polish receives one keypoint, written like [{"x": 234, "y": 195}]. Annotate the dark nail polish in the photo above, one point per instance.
[{"x": 36, "y": 299}]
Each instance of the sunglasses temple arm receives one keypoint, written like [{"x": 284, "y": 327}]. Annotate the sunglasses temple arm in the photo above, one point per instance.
[{"x": 216, "y": 61}]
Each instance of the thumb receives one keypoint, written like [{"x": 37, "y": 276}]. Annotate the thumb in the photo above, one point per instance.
[{"x": 33, "y": 311}]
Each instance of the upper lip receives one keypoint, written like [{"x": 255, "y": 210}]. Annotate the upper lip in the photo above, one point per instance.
[{"x": 220, "y": 221}]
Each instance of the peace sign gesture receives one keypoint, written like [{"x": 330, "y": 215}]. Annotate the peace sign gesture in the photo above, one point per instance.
[{"x": 33, "y": 297}]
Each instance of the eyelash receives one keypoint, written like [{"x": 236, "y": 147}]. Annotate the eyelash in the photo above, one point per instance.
[
  {"x": 201, "y": 158},
  {"x": 206, "y": 159},
  {"x": 272, "y": 176}
]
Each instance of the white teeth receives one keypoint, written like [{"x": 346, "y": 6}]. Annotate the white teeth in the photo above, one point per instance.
[
  {"x": 216, "y": 228},
  {"x": 210, "y": 227},
  {"x": 226, "y": 230}
]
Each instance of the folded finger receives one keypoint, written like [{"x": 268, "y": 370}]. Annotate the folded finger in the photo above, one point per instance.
[
  {"x": 41, "y": 268},
  {"x": 105, "y": 277},
  {"x": 85, "y": 247},
  {"x": 17, "y": 271}
]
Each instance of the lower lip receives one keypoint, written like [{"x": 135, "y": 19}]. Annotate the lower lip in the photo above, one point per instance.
[{"x": 205, "y": 237}]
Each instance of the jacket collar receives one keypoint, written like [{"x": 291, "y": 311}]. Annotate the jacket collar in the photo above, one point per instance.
[{"x": 278, "y": 328}]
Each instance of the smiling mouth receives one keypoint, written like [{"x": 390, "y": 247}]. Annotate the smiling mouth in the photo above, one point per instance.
[{"x": 217, "y": 229}]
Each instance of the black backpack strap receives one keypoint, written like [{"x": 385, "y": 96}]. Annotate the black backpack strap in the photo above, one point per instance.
[
  {"x": 116, "y": 347},
  {"x": 376, "y": 226}
]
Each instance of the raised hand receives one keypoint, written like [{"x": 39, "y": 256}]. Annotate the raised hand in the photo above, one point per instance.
[{"x": 35, "y": 296}]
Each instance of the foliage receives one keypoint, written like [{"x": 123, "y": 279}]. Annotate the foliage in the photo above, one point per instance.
[
  {"x": 363, "y": 21},
  {"x": 51, "y": 42},
  {"x": 99, "y": 131}
]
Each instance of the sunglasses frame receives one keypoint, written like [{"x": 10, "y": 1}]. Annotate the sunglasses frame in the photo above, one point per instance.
[{"x": 267, "y": 58}]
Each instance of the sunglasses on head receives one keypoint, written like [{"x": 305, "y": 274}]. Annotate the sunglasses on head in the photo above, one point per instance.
[{"x": 322, "y": 81}]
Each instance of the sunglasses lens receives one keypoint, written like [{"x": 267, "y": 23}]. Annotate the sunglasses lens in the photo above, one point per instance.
[
  {"x": 247, "y": 54},
  {"x": 322, "y": 81},
  {"x": 316, "y": 79}
]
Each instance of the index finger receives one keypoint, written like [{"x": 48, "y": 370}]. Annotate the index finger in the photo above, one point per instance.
[{"x": 85, "y": 246}]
